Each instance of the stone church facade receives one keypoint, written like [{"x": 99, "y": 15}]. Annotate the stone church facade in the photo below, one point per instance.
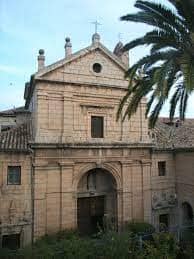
[{"x": 69, "y": 164}]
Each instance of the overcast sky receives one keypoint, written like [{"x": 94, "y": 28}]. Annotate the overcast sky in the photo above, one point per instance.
[{"x": 26, "y": 26}]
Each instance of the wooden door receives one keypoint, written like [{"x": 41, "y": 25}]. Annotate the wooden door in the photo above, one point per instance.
[{"x": 90, "y": 213}]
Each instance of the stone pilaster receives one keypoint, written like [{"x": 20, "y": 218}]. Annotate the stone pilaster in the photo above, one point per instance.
[
  {"x": 67, "y": 118},
  {"x": 68, "y": 202},
  {"x": 147, "y": 195},
  {"x": 127, "y": 191}
]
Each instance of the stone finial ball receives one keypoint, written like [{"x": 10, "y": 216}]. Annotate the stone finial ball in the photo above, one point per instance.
[
  {"x": 67, "y": 39},
  {"x": 41, "y": 51},
  {"x": 95, "y": 37}
]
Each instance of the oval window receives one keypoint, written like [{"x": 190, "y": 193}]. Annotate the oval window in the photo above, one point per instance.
[{"x": 97, "y": 68}]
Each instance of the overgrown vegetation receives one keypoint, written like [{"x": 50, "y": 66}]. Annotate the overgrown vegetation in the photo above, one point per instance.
[{"x": 106, "y": 245}]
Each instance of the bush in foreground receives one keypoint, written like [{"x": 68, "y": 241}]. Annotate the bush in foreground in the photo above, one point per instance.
[{"x": 107, "y": 245}]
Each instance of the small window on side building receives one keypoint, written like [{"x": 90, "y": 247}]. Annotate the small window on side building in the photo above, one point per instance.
[
  {"x": 161, "y": 168},
  {"x": 14, "y": 175},
  {"x": 97, "y": 127}
]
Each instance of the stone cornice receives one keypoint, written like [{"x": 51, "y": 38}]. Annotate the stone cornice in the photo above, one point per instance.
[
  {"x": 174, "y": 150},
  {"x": 86, "y": 145},
  {"x": 66, "y": 82}
]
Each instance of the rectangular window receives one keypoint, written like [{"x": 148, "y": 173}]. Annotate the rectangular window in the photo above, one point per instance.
[
  {"x": 11, "y": 241},
  {"x": 14, "y": 175},
  {"x": 97, "y": 127},
  {"x": 161, "y": 168},
  {"x": 164, "y": 221}
]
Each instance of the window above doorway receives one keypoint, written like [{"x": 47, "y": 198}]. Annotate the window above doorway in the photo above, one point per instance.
[{"x": 97, "y": 126}]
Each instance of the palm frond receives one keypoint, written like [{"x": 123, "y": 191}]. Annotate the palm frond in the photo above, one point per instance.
[
  {"x": 163, "y": 13},
  {"x": 131, "y": 89},
  {"x": 143, "y": 17},
  {"x": 155, "y": 37},
  {"x": 149, "y": 60},
  {"x": 143, "y": 89},
  {"x": 183, "y": 104},
  {"x": 149, "y": 104},
  {"x": 187, "y": 66},
  {"x": 158, "y": 16},
  {"x": 173, "y": 102},
  {"x": 186, "y": 10},
  {"x": 155, "y": 112}
]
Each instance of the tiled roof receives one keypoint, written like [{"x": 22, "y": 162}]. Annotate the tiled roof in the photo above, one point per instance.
[
  {"x": 12, "y": 112},
  {"x": 16, "y": 139},
  {"x": 175, "y": 135}
]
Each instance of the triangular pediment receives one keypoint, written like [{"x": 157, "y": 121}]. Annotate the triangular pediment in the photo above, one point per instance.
[{"x": 78, "y": 66}]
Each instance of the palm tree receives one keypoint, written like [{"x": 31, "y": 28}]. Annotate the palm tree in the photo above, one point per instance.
[{"x": 167, "y": 73}]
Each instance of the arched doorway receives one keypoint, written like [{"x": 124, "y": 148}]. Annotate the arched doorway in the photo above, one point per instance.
[
  {"x": 187, "y": 214},
  {"x": 97, "y": 201}
]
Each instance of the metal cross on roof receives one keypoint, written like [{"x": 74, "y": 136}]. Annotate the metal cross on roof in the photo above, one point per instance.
[
  {"x": 96, "y": 23},
  {"x": 119, "y": 36}
]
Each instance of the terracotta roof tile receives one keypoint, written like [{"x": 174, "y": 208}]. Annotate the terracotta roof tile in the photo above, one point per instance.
[
  {"x": 175, "y": 135},
  {"x": 16, "y": 139}
]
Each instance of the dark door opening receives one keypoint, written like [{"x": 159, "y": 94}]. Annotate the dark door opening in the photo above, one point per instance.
[
  {"x": 187, "y": 214},
  {"x": 164, "y": 221},
  {"x": 90, "y": 213},
  {"x": 11, "y": 241}
]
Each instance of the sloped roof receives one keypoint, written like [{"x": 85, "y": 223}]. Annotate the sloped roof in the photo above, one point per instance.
[
  {"x": 79, "y": 54},
  {"x": 47, "y": 69},
  {"x": 16, "y": 139},
  {"x": 176, "y": 135},
  {"x": 12, "y": 112}
]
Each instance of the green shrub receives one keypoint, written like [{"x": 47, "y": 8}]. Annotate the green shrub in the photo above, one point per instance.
[
  {"x": 66, "y": 245},
  {"x": 163, "y": 246},
  {"x": 139, "y": 228},
  {"x": 113, "y": 245},
  {"x": 108, "y": 245}
]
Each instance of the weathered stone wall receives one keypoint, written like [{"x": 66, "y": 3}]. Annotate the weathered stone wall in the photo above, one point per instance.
[
  {"x": 16, "y": 200},
  {"x": 185, "y": 179},
  {"x": 164, "y": 189}
]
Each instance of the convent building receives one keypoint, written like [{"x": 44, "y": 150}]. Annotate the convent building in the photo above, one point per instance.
[{"x": 67, "y": 163}]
